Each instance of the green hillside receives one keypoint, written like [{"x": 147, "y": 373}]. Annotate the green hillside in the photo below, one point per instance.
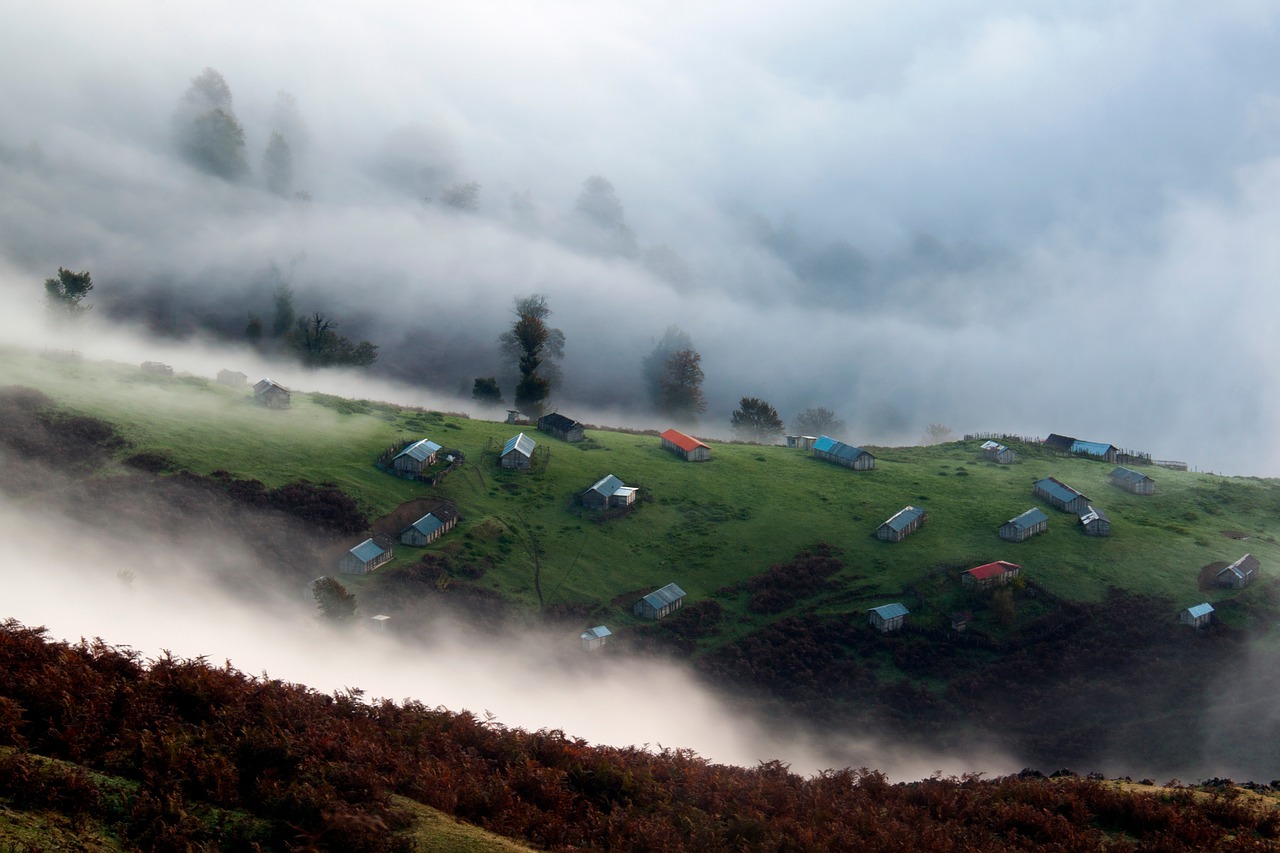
[{"x": 704, "y": 526}]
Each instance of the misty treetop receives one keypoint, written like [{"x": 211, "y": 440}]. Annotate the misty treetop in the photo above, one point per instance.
[
  {"x": 673, "y": 376},
  {"x": 756, "y": 420},
  {"x": 817, "y": 420},
  {"x": 64, "y": 293},
  {"x": 208, "y": 134},
  {"x": 535, "y": 348},
  {"x": 316, "y": 342}
]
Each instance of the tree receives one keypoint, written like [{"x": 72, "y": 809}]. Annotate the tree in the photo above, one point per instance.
[
  {"x": 277, "y": 165},
  {"x": 817, "y": 420},
  {"x": 654, "y": 365},
  {"x": 318, "y": 344},
  {"x": 680, "y": 388},
  {"x": 534, "y": 347},
  {"x": 63, "y": 294},
  {"x": 756, "y": 420},
  {"x": 936, "y": 434},
  {"x": 253, "y": 330},
  {"x": 463, "y": 197},
  {"x": 282, "y": 301},
  {"x": 208, "y": 133},
  {"x": 598, "y": 205},
  {"x": 335, "y": 602},
  {"x": 486, "y": 392},
  {"x": 667, "y": 264}
]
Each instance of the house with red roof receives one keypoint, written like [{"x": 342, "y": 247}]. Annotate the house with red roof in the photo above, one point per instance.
[
  {"x": 687, "y": 446},
  {"x": 998, "y": 573}
]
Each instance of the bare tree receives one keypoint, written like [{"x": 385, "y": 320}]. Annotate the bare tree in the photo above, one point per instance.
[{"x": 936, "y": 434}]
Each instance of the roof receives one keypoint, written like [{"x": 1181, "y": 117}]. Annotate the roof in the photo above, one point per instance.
[
  {"x": 890, "y": 611},
  {"x": 264, "y": 385},
  {"x": 520, "y": 443},
  {"x": 445, "y": 512},
  {"x": 1203, "y": 609},
  {"x": 607, "y": 485},
  {"x": 1093, "y": 448},
  {"x": 428, "y": 524},
  {"x": 366, "y": 551},
  {"x": 682, "y": 441},
  {"x": 991, "y": 445},
  {"x": 660, "y": 598},
  {"x": 1057, "y": 489},
  {"x": 1128, "y": 475},
  {"x": 1030, "y": 518},
  {"x": 419, "y": 450},
  {"x": 1092, "y": 514},
  {"x": 903, "y": 518},
  {"x": 599, "y": 632},
  {"x": 991, "y": 570},
  {"x": 839, "y": 449},
  {"x": 1062, "y": 441},
  {"x": 1246, "y": 565},
  {"x": 555, "y": 420}
]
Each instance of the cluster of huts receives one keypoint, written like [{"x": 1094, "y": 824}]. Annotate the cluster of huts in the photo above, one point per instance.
[{"x": 892, "y": 617}]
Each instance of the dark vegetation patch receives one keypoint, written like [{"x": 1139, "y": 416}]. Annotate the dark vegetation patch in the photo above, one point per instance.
[
  {"x": 152, "y": 463},
  {"x": 677, "y": 635},
  {"x": 323, "y": 506},
  {"x": 783, "y": 584},
  {"x": 437, "y": 585},
  {"x": 41, "y": 446}
]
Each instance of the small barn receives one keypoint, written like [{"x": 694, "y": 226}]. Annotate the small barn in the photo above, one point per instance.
[
  {"x": 364, "y": 558},
  {"x": 234, "y": 378},
  {"x": 379, "y": 622},
  {"x": 156, "y": 368},
  {"x": 416, "y": 457},
  {"x": 1241, "y": 573},
  {"x": 1133, "y": 481},
  {"x": 272, "y": 394},
  {"x": 902, "y": 524},
  {"x": 1058, "y": 494},
  {"x": 1059, "y": 442},
  {"x": 685, "y": 446},
  {"x": 994, "y": 451},
  {"x": 990, "y": 575},
  {"x": 1025, "y": 526},
  {"x": 594, "y": 638},
  {"x": 565, "y": 429},
  {"x": 804, "y": 442},
  {"x": 830, "y": 450},
  {"x": 1095, "y": 522},
  {"x": 660, "y": 602},
  {"x": 1198, "y": 616},
  {"x": 430, "y": 527},
  {"x": 517, "y": 453},
  {"x": 960, "y": 620},
  {"x": 608, "y": 492},
  {"x": 888, "y": 617}
]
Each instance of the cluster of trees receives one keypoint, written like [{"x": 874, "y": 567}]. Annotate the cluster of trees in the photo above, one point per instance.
[{"x": 314, "y": 340}]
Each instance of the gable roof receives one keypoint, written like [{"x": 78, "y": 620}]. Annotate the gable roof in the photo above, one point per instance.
[
  {"x": 419, "y": 450},
  {"x": 684, "y": 442},
  {"x": 660, "y": 598},
  {"x": 1243, "y": 567},
  {"x": 903, "y": 518},
  {"x": 1092, "y": 514},
  {"x": 1058, "y": 489},
  {"x": 889, "y": 611},
  {"x": 991, "y": 445},
  {"x": 1199, "y": 610},
  {"x": 520, "y": 443},
  {"x": 599, "y": 632},
  {"x": 1030, "y": 518},
  {"x": 262, "y": 386},
  {"x": 1063, "y": 442},
  {"x": 610, "y": 485},
  {"x": 1129, "y": 475},
  {"x": 557, "y": 421},
  {"x": 367, "y": 550},
  {"x": 839, "y": 449},
  {"x": 428, "y": 524},
  {"x": 1093, "y": 448},
  {"x": 991, "y": 570}
]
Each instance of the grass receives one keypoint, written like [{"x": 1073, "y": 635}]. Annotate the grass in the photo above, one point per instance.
[
  {"x": 702, "y": 525},
  {"x": 434, "y": 831}
]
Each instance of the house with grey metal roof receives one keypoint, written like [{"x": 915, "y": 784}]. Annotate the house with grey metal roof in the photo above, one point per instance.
[
  {"x": 430, "y": 527},
  {"x": 1198, "y": 616},
  {"x": 565, "y": 429},
  {"x": 1025, "y": 526},
  {"x": 517, "y": 453},
  {"x": 888, "y": 617},
  {"x": 1133, "y": 481},
  {"x": 364, "y": 558},
  {"x": 416, "y": 457},
  {"x": 660, "y": 602},
  {"x": 1095, "y": 522},
  {"x": 994, "y": 451},
  {"x": 594, "y": 638},
  {"x": 273, "y": 395},
  {"x": 1241, "y": 573},
  {"x": 1057, "y": 493},
  {"x": 608, "y": 492},
  {"x": 902, "y": 524},
  {"x": 830, "y": 450}
]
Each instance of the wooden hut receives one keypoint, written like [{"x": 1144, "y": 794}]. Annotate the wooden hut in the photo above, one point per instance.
[
  {"x": 233, "y": 378},
  {"x": 1133, "y": 481},
  {"x": 1241, "y": 573},
  {"x": 608, "y": 492},
  {"x": 1058, "y": 494},
  {"x": 902, "y": 524},
  {"x": 431, "y": 526},
  {"x": 379, "y": 622},
  {"x": 565, "y": 429},
  {"x": 830, "y": 450},
  {"x": 594, "y": 638},
  {"x": 660, "y": 602},
  {"x": 1198, "y": 616},
  {"x": 364, "y": 558},
  {"x": 804, "y": 442},
  {"x": 517, "y": 453},
  {"x": 1025, "y": 526},
  {"x": 685, "y": 446},
  {"x": 888, "y": 617},
  {"x": 272, "y": 394},
  {"x": 994, "y": 451},
  {"x": 1095, "y": 522},
  {"x": 990, "y": 575},
  {"x": 416, "y": 457}
]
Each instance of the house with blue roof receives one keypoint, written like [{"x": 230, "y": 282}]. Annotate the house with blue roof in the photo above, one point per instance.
[
  {"x": 888, "y": 617},
  {"x": 1058, "y": 494},
  {"x": 1198, "y": 616},
  {"x": 594, "y": 638},
  {"x": 830, "y": 450},
  {"x": 1024, "y": 526},
  {"x": 517, "y": 453},
  {"x": 416, "y": 457},
  {"x": 660, "y": 602},
  {"x": 902, "y": 524},
  {"x": 364, "y": 558},
  {"x": 608, "y": 492}
]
